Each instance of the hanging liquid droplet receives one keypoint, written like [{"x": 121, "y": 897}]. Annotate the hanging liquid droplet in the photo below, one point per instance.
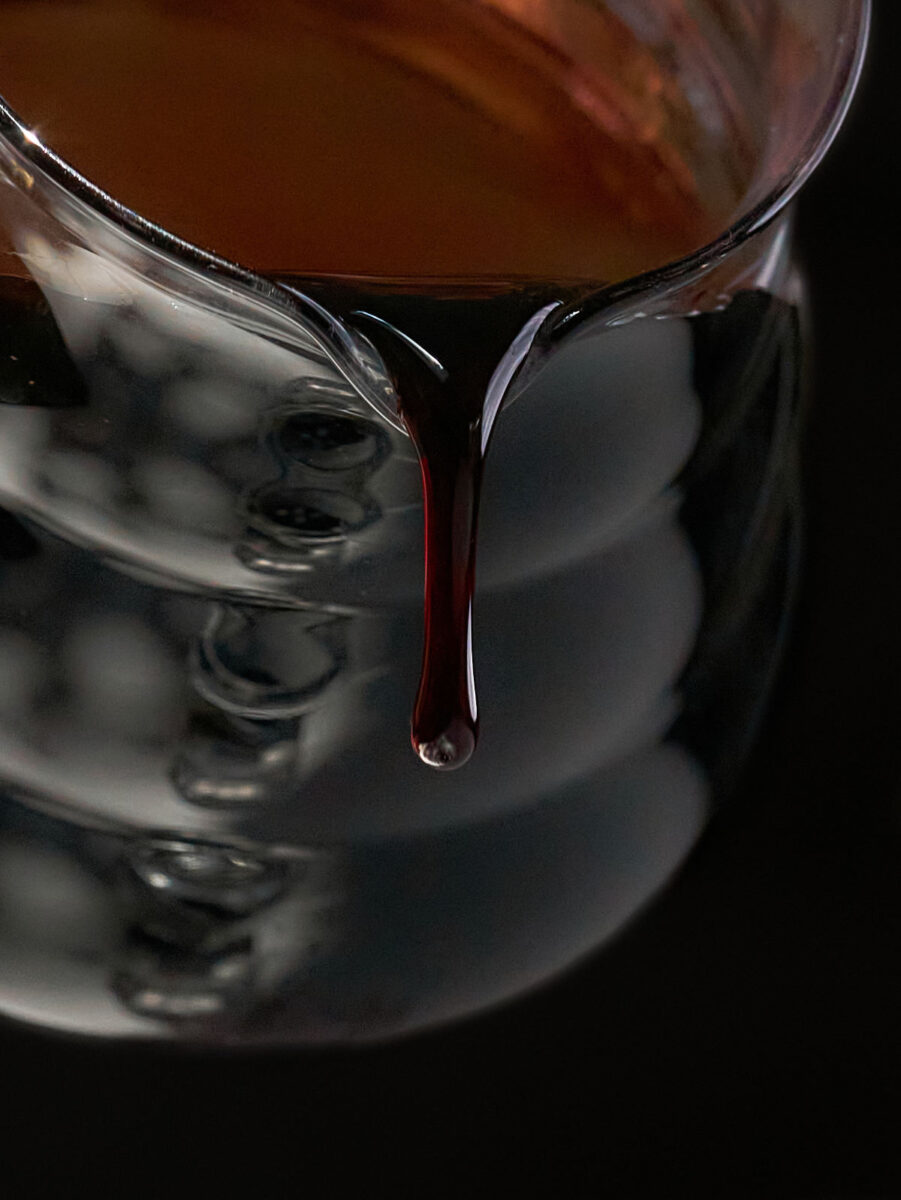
[
  {"x": 452, "y": 352},
  {"x": 451, "y": 382},
  {"x": 451, "y": 749},
  {"x": 444, "y": 423},
  {"x": 444, "y": 725}
]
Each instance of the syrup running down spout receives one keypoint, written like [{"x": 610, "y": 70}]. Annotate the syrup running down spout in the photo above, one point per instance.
[
  {"x": 449, "y": 406},
  {"x": 448, "y": 439}
]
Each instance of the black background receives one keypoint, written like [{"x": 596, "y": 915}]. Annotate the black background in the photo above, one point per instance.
[{"x": 744, "y": 1038}]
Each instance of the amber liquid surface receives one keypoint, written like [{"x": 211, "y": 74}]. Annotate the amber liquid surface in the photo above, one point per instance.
[{"x": 387, "y": 138}]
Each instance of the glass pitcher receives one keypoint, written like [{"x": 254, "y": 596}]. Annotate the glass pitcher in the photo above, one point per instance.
[{"x": 212, "y": 826}]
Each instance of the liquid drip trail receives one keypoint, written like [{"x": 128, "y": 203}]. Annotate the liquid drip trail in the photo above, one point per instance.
[
  {"x": 444, "y": 725},
  {"x": 446, "y": 433},
  {"x": 449, "y": 415}
]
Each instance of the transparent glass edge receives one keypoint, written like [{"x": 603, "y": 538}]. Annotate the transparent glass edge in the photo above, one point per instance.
[{"x": 834, "y": 109}]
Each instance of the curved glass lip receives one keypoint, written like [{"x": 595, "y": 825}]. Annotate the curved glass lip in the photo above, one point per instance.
[{"x": 833, "y": 111}]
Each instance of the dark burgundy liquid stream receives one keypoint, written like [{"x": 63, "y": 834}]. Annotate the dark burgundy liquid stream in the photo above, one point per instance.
[
  {"x": 452, "y": 352},
  {"x": 445, "y": 426}
]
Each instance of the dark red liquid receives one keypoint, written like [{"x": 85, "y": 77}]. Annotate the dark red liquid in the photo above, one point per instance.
[{"x": 452, "y": 354}]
